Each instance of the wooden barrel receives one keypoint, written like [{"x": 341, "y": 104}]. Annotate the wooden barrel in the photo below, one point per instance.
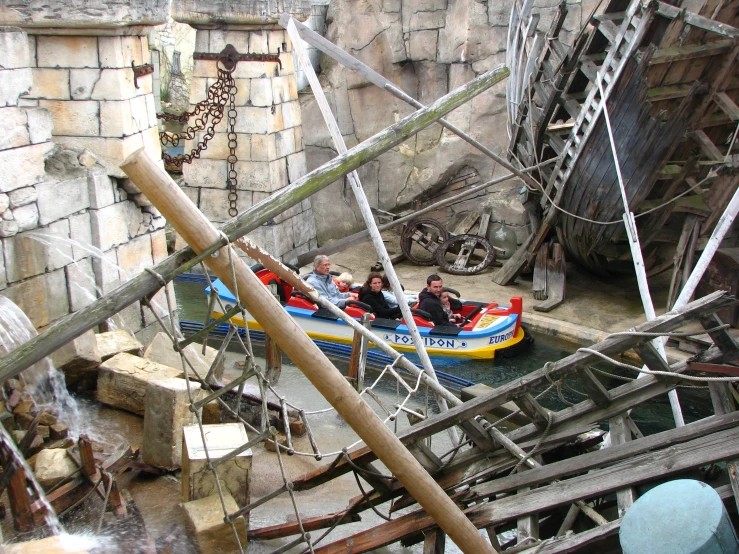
[{"x": 678, "y": 517}]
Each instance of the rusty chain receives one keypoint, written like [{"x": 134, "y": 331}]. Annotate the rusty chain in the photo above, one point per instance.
[{"x": 231, "y": 175}]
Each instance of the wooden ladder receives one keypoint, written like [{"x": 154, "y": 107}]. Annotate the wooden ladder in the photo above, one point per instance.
[{"x": 624, "y": 44}]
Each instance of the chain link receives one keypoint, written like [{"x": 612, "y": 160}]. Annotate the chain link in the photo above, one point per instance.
[
  {"x": 231, "y": 176},
  {"x": 207, "y": 115}
]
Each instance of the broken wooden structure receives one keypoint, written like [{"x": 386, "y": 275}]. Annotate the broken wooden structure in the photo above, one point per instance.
[
  {"x": 544, "y": 502},
  {"x": 667, "y": 76}
]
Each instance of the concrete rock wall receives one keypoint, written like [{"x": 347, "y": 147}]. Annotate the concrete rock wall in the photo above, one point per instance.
[{"x": 428, "y": 48}]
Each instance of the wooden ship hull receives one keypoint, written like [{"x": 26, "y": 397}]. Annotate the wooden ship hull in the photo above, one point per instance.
[{"x": 669, "y": 82}]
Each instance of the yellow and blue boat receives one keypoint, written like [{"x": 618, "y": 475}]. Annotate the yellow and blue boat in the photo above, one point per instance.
[{"x": 488, "y": 329}]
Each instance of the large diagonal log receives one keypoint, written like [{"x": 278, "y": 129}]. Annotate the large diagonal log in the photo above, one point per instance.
[
  {"x": 147, "y": 283},
  {"x": 198, "y": 232},
  {"x": 612, "y": 345}
]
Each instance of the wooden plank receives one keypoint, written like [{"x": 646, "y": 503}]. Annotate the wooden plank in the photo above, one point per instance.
[
  {"x": 690, "y": 52},
  {"x": 577, "y": 542},
  {"x": 724, "y": 102},
  {"x": 707, "y": 145},
  {"x": 595, "y": 389},
  {"x": 434, "y": 542},
  {"x": 309, "y": 524},
  {"x": 723, "y": 403},
  {"x": 466, "y": 223},
  {"x": 556, "y": 278},
  {"x": 620, "y": 434},
  {"x": 716, "y": 447},
  {"x": 539, "y": 286},
  {"x": 672, "y": 12},
  {"x": 722, "y": 369},
  {"x": 536, "y": 412},
  {"x": 721, "y": 337}
]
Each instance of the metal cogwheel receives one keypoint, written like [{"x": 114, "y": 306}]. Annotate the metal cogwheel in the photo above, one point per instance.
[
  {"x": 467, "y": 245},
  {"x": 427, "y": 233}
]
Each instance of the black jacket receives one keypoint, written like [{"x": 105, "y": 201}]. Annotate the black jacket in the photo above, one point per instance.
[
  {"x": 429, "y": 302},
  {"x": 376, "y": 301}
]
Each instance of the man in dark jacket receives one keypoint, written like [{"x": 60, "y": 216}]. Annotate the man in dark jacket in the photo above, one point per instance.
[{"x": 428, "y": 300}]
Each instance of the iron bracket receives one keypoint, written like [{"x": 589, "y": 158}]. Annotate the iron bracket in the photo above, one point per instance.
[
  {"x": 229, "y": 57},
  {"x": 140, "y": 71}
]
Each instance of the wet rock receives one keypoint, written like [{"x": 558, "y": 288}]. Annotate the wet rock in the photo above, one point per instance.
[
  {"x": 42, "y": 431},
  {"x": 23, "y": 407},
  {"x": 167, "y": 410},
  {"x": 123, "y": 378},
  {"x": 47, "y": 419},
  {"x": 161, "y": 351},
  {"x": 37, "y": 445},
  {"x": 205, "y": 520},
  {"x": 197, "y": 479},
  {"x": 49, "y": 545},
  {"x": 79, "y": 359},
  {"x": 58, "y": 431},
  {"x": 14, "y": 399},
  {"x": 114, "y": 342},
  {"x": 53, "y": 465},
  {"x": 23, "y": 420},
  {"x": 270, "y": 444}
]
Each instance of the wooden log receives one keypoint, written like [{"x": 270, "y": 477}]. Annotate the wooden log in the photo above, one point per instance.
[
  {"x": 198, "y": 232},
  {"x": 434, "y": 542},
  {"x": 147, "y": 282},
  {"x": 20, "y": 502},
  {"x": 620, "y": 434}
]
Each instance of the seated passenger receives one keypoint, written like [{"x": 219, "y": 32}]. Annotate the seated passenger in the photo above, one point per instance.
[
  {"x": 428, "y": 300},
  {"x": 344, "y": 282},
  {"x": 387, "y": 292},
  {"x": 446, "y": 304},
  {"x": 371, "y": 294},
  {"x": 320, "y": 279}
]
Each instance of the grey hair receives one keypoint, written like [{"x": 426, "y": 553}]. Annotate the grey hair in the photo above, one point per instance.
[{"x": 318, "y": 260}]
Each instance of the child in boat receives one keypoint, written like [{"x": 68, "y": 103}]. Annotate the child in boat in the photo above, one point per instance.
[
  {"x": 344, "y": 282},
  {"x": 387, "y": 292},
  {"x": 371, "y": 294},
  {"x": 446, "y": 305}
]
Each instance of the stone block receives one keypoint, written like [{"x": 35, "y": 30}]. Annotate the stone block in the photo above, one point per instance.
[
  {"x": 199, "y": 89},
  {"x": 74, "y": 118},
  {"x": 110, "y": 151},
  {"x": 161, "y": 351},
  {"x": 39, "y": 297},
  {"x": 26, "y": 217},
  {"x": 421, "y": 21},
  {"x": 158, "y": 246},
  {"x": 40, "y": 125},
  {"x": 69, "y": 544},
  {"x": 291, "y": 116},
  {"x": 281, "y": 90},
  {"x": 134, "y": 256},
  {"x": 197, "y": 480},
  {"x": 66, "y": 51},
  {"x": 116, "y": 120},
  {"x": 206, "y": 173},
  {"x": 79, "y": 231},
  {"x": 260, "y": 92},
  {"x": 114, "y": 84},
  {"x": 109, "y": 226},
  {"x": 21, "y": 197},
  {"x": 218, "y": 148},
  {"x": 253, "y": 176},
  {"x": 258, "y": 43},
  {"x": 14, "y": 52},
  {"x": 304, "y": 227},
  {"x": 58, "y": 199},
  {"x": 30, "y": 172},
  {"x": 78, "y": 359},
  {"x": 13, "y": 127},
  {"x": 107, "y": 276},
  {"x": 129, "y": 318},
  {"x": 288, "y": 65},
  {"x": 112, "y": 343},
  {"x": 151, "y": 112},
  {"x": 205, "y": 521},
  {"x": 133, "y": 49},
  {"x": 296, "y": 166},
  {"x": 275, "y": 40},
  {"x": 214, "y": 203},
  {"x": 28, "y": 255},
  {"x": 123, "y": 380},
  {"x": 100, "y": 188},
  {"x": 278, "y": 174},
  {"x": 253, "y": 120},
  {"x": 51, "y": 83},
  {"x": 299, "y": 138},
  {"x": 167, "y": 410},
  {"x": 423, "y": 45},
  {"x": 52, "y": 465},
  {"x": 4, "y": 202},
  {"x": 8, "y": 227},
  {"x": 263, "y": 147},
  {"x": 82, "y": 81},
  {"x": 13, "y": 84},
  {"x": 80, "y": 284},
  {"x": 285, "y": 143}
]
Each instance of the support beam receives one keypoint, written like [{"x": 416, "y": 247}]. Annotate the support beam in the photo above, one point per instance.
[{"x": 147, "y": 282}]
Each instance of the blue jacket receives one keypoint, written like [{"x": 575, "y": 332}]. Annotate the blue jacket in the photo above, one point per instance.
[{"x": 325, "y": 286}]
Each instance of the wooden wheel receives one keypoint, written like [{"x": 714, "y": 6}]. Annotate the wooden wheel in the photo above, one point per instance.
[
  {"x": 466, "y": 246},
  {"x": 422, "y": 235}
]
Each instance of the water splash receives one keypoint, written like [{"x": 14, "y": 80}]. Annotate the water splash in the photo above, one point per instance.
[{"x": 42, "y": 380}]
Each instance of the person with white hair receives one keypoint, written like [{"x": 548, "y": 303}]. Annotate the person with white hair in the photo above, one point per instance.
[{"x": 321, "y": 280}]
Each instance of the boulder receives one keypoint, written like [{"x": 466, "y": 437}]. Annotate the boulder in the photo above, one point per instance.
[
  {"x": 114, "y": 342},
  {"x": 53, "y": 465},
  {"x": 79, "y": 359},
  {"x": 122, "y": 381},
  {"x": 161, "y": 351},
  {"x": 205, "y": 520}
]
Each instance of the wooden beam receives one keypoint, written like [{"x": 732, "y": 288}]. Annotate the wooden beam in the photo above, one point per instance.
[
  {"x": 309, "y": 524},
  {"x": 728, "y": 106},
  {"x": 620, "y": 434},
  {"x": 595, "y": 389},
  {"x": 672, "y": 12},
  {"x": 690, "y": 52},
  {"x": 723, "y": 403},
  {"x": 707, "y": 145},
  {"x": 723, "y": 369}
]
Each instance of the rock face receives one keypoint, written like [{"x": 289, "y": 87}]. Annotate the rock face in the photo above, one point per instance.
[{"x": 427, "y": 48}]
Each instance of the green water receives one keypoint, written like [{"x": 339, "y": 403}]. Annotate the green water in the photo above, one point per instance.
[{"x": 651, "y": 417}]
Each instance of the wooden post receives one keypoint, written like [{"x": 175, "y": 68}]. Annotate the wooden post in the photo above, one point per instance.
[
  {"x": 20, "y": 502},
  {"x": 272, "y": 354},
  {"x": 145, "y": 283},
  {"x": 193, "y": 226},
  {"x": 363, "y": 349},
  {"x": 358, "y": 360}
]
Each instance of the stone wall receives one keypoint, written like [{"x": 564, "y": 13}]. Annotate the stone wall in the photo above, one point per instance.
[
  {"x": 70, "y": 231},
  {"x": 428, "y": 48}
]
